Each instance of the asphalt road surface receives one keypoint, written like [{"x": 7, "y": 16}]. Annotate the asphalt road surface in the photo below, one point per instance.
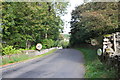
[{"x": 64, "y": 63}]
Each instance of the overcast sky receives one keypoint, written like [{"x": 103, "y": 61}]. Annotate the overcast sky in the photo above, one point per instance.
[{"x": 67, "y": 17}]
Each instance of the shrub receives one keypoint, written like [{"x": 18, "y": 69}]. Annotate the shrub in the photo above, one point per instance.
[
  {"x": 51, "y": 42},
  {"x": 47, "y": 43},
  {"x": 9, "y": 50},
  {"x": 64, "y": 44},
  {"x": 56, "y": 43},
  {"x": 43, "y": 47},
  {"x": 33, "y": 47}
]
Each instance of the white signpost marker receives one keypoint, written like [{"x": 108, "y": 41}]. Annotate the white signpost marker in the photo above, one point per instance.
[{"x": 39, "y": 46}]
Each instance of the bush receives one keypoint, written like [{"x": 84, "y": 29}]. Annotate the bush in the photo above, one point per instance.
[
  {"x": 51, "y": 42},
  {"x": 43, "y": 47},
  {"x": 64, "y": 44},
  {"x": 33, "y": 48},
  {"x": 56, "y": 43},
  {"x": 47, "y": 43},
  {"x": 9, "y": 50}
]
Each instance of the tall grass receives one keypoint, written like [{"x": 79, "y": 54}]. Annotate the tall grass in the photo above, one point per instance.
[{"x": 94, "y": 68}]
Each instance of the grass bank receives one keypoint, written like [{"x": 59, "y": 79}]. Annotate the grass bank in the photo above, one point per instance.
[
  {"x": 94, "y": 68},
  {"x": 21, "y": 58}
]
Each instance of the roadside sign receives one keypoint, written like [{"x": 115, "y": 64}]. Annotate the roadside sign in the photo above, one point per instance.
[
  {"x": 99, "y": 52},
  {"x": 39, "y": 46}
]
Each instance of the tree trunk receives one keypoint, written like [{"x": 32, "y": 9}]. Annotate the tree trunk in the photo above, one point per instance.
[{"x": 28, "y": 44}]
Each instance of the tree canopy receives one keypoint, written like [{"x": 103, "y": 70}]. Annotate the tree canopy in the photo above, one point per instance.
[
  {"x": 27, "y": 23},
  {"x": 93, "y": 20}
]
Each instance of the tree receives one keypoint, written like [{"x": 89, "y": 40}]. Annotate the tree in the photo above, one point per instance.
[
  {"x": 25, "y": 24},
  {"x": 92, "y": 20}
]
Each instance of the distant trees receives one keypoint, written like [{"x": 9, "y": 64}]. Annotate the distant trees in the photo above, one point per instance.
[
  {"x": 93, "y": 20},
  {"x": 24, "y": 24}
]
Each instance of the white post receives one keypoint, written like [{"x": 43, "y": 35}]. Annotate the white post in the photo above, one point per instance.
[{"x": 114, "y": 38}]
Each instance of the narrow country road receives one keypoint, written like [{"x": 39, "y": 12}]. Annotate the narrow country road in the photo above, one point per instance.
[{"x": 64, "y": 63}]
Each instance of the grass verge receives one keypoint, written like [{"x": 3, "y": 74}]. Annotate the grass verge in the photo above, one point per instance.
[
  {"x": 94, "y": 68},
  {"x": 22, "y": 58}
]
